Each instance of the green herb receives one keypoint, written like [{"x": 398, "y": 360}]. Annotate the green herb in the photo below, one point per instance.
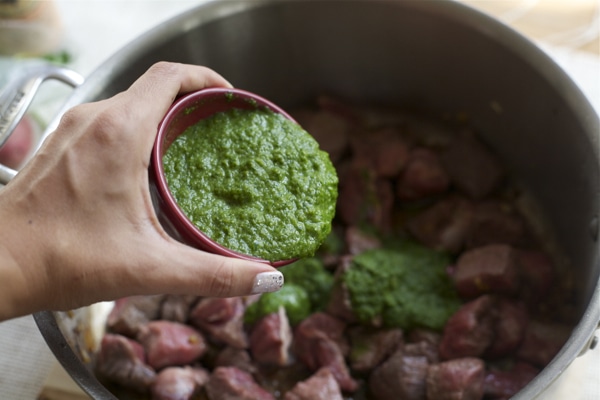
[
  {"x": 255, "y": 182},
  {"x": 311, "y": 275},
  {"x": 292, "y": 298},
  {"x": 404, "y": 287}
]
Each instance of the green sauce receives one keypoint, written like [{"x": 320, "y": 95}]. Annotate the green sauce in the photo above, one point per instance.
[
  {"x": 311, "y": 275},
  {"x": 254, "y": 182},
  {"x": 293, "y": 298},
  {"x": 405, "y": 287}
]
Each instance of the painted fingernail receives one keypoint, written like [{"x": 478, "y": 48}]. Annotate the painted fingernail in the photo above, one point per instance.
[{"x": 267, "y": 282}]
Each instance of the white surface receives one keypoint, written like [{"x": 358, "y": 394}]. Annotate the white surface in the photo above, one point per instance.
[
  {"x": 96, "y": 29},
  {"x": 25, "y": 361}
]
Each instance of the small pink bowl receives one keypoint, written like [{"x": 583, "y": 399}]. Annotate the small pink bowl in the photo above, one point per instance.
[{"x": 186, "y": 111}]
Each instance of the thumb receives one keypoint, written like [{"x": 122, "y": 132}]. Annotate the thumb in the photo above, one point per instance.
[{"x": 200, "y": 273}]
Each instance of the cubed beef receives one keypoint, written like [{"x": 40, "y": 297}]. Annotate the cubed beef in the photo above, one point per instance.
[
  {"x": 542, "y": 342},
  {"x": 402, "y": 376},
  {"x": 384, "y": 150},
  {"x": 469, "y": 331},
  {"x": 320, "y": 386},
  {"x": 178, "y": 383},
  {"x": 487, "y": 269},
  {"x": 370, "y": 347},
  {"x": 537, "y": 271},
  {"x": 176, "y": 308},
  {"x": 324, "y": 324},
  {"x": 365, "y": 198},
  {"x": 511, "y": 321},
  {"x": 428, "y": 132},
  {"x": 214, "y": 310},
  {"x": 230, "y": 383},
  {"x": 329, "y": 129},
  {"x": 340, "y": 304},
  {"x": 325, "y": 352},
  {"x": 130, "y": 313},
  {"x": 239, "y": 358},
  {"x": 358, "y": 241},
  {"x": 365, "y": 116},
  {"x": 122, "y": 360},
  {"x": 471, "y": 166},
  {"x": 422, "y": 177},
  {"x": 424, "y": 335},
  {"x": 222, "y": 319},
  {"x": 271, "y": 339},
  {"x": 496, "y": 222},
  {"x": 171, "y": 343},
  {"x": 333, "y": 248},
  {"x": 500, "y": 384},
  {"x": 445, "y": 225},
  {"x": 459, "y": 379},
  {"x": 318, "y": 342},
  {"x": 423, "y": 348},
  {"x": 424, "y": 342}
]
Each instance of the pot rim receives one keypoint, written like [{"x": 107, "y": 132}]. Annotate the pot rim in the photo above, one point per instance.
[{"x": 518, "y": 44}]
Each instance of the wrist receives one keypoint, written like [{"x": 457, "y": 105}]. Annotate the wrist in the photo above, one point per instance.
[
  {"x": 19, "y": 294},
  {"x": 13, "y": 301}
]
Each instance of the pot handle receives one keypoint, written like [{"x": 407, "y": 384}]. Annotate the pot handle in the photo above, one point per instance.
[{"x": 17, "y": 96}]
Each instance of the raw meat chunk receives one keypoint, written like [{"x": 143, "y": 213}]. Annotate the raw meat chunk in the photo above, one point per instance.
[
  {"x": 130, "y": 313},
  {"x": 178, "y": 383},
  {"x": 371, "y": 347},
  {"x": 222, "y": 319},
  {"x": 402, "y": 376},
  {"x": 171, "y": 343},
  {"x": 271, "y": 339},
  {"x": 487, "y": 269},
  {"x": 230, "y": 383},
  {"x": 122, "y": 360},
  {"x": 321, "y": 386},
  {"x": 470, "y": 331},
  {"x": 422, "y": 177},
  {"x": 471, "y": 166},
  {"x": 459, "y": 379}
]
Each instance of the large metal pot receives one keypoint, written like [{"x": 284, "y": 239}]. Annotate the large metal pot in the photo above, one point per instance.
[{"x": 439, "y": 55}]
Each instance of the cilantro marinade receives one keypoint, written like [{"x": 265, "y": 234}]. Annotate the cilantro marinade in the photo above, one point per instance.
[{"x": 254, "y": 182}]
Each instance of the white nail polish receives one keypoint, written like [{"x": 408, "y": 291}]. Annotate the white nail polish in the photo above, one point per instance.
[{"x": 267, "y": 282}]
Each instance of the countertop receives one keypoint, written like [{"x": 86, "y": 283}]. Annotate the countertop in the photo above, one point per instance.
[{"x": 567, "y": 30}]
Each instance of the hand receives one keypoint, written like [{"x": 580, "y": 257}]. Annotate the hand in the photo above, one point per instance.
[{"x": 78, "y": 224}]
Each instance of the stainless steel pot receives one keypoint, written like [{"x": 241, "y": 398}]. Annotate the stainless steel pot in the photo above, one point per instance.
[{"x": 439, "y": 55}]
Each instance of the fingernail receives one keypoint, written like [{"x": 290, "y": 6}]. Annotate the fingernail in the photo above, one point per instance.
[{"x": 267, "y": 282}]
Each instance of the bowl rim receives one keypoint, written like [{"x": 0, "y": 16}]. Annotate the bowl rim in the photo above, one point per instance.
[{"x": 181, "y": 220}]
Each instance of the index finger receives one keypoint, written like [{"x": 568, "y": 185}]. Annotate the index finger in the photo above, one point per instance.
[{"x": 158, "y": 87}]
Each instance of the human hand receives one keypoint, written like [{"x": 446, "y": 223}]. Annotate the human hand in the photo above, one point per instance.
[{"x": 78, "y": 225}]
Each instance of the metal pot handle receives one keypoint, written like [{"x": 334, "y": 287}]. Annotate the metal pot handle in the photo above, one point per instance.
[{"x": 17, "y": 96}]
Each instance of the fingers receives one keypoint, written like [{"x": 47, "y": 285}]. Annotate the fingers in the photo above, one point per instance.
[
  {"x": 179, "y": 269},
  {"x": 156, "y": 90}
]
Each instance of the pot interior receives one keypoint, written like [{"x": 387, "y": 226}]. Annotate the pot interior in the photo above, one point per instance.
[{"x": 434, "y": 56}]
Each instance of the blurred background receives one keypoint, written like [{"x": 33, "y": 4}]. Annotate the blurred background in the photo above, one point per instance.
[{"x": 84, "y": 33}]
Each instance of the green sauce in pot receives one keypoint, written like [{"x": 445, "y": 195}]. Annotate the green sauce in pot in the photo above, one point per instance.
[{"x": 254, "y": 182}]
